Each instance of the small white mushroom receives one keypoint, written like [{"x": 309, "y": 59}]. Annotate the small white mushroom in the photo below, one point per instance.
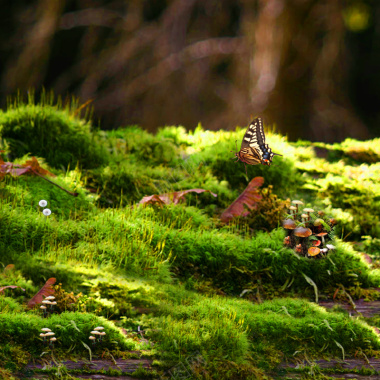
[
  {"x": 50, "y": 298},
  {"x": 308, "y": 210},
  {"x": 45, "y": 329},
  {"x": 293, "y": 210},
  {"x": 296, "y": 202},
  {"x": 330, "y": 246},
  {"x": 53, "y": 339},
  {"x": 46, "y": 302},
  {"x": 42, "y": 203},
  {"x": 99, "y": 328},
  {"x": 304, "y": 217},
  {"x": 50, "y": 333}
]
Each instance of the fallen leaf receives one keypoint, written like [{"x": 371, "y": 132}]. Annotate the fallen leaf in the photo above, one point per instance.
[
  {"x": 10, "y": 286},
  {"x": 46, "y": 290},
  {"x": 249, "y": 198}
]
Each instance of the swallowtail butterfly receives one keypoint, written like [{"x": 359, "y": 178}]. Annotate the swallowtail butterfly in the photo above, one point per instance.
[{"x": 253, "y": 149}]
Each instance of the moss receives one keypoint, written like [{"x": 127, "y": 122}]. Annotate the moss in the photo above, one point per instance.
[{"x": 34, "y": 128}]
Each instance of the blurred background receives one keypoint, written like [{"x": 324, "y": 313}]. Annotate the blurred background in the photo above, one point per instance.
[{"x": 309, "y": 66}]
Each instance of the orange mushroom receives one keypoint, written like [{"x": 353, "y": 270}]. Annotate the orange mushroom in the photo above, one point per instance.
[{"x": 313, "y": 251}]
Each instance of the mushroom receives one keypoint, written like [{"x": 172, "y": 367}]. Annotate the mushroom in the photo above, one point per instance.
[
  {"x": 313, "y": 251},
  {"x": 287, "y": 240},
  {"x": 49, "y": 298},
  {"x": 302, "y": 233},
  {"x": 316, "y": 243},
  {"x": 293, "y": 210},
  {"x": 99, "y": 328},
  {"x": 43, "y": 307},
  {"x": 43, "y": 336},
  {"x": 332, "y": 221},
  {"x": 299, "y": 248},
  {"x": 324, "y": 250},
  {"x": 50, "y": 333},
  {"x": 101, "y": 335},
  {"x": 318, "y": 224},
  {"x": 290, "y": 225},
  {"x": 330, "y": 246},
  {"x": 95, "y": 332},
  {"x": 308, "y": 210},
  {"x": 93, "y": 339},
  {"x": 46, "y": 302},
  {"x": 322, "y": 235},
  {"x": 297, "y": 203},
  {"x": 304, "y": 217},
  {"x": 45, "y": 329},
  {"x": 52, "y": 340}
]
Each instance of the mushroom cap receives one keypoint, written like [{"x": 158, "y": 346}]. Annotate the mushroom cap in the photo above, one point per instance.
[
  {"x": 302, "y": 232},
  {"x": 49, "y": 298},
  {"x": 53, "y": 339},
  {"x": 292, "y": 208},
  {"x": 307, "y": 209},
  {"x": 45, "y": 329},
  {"x": 95, "y": 332},
  {"x": 289, "y": 224},
  {"x": 313, "y": 251},
  {"x": 321, "y": 234},
  {"x": 102, "y": 333},
  {"x": 324, "y": 250},
  {"x": 50, "y": 333},
  {"x": 42, "y": 334},
  {"x": 297, "y": 202},
  {"x": 330, "y": 246},
  {"x": 92, "y": 337},
  {"x": 47, "y": 302},
  {"x": 53, "y": 303},
  {"x": 304, "y": 216},
  {"x": 99, "y": 328},
  {"x": 318, "y": 222},
  {"x": 43, "y": 307},
  {"x": 332, "y": 221},
  {"x": 316, "y": 243}
]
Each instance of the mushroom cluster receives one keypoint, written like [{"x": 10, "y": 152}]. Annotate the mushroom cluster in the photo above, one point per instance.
[
  {"x": 48, "y": 336},
  {"x": 98, "y": 332},
  {"x": 48, "y": 305},
  {"x": 308, "y": 233}
]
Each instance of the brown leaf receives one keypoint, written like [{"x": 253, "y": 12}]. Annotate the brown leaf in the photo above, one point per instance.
[
  {"x": 175, "y": 197},
  {"x": 31, "y": 166},
  {"x": 10, "y": 286},
  {"x": 9, "y": 267},
  {"x": 249, "y": 197},
  {"x": 46, "y": 290},
  {"x": 34, "y": 165}
]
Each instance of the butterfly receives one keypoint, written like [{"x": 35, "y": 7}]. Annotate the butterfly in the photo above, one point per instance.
[{"x": 253, "y": 149}]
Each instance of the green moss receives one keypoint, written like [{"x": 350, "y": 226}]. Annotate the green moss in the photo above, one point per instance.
[{"x": 52, "y": 132}]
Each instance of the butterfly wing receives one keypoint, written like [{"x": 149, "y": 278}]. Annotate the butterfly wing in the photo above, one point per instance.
[
  {"x": 250, "y": 151},
  {"x": 253, "y": 149}
]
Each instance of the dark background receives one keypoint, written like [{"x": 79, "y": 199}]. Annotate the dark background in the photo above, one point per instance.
[{"x": 309, "y": 66}]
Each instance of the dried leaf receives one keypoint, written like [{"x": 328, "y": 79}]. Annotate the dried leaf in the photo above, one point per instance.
[
  {"x": 249, "y": 197},
  {"x": 9, "y": 267},
  {"x": 10, "y": 286},
  {"x": 46, "y": 290},
  {"x": 174, "y": 197}
]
